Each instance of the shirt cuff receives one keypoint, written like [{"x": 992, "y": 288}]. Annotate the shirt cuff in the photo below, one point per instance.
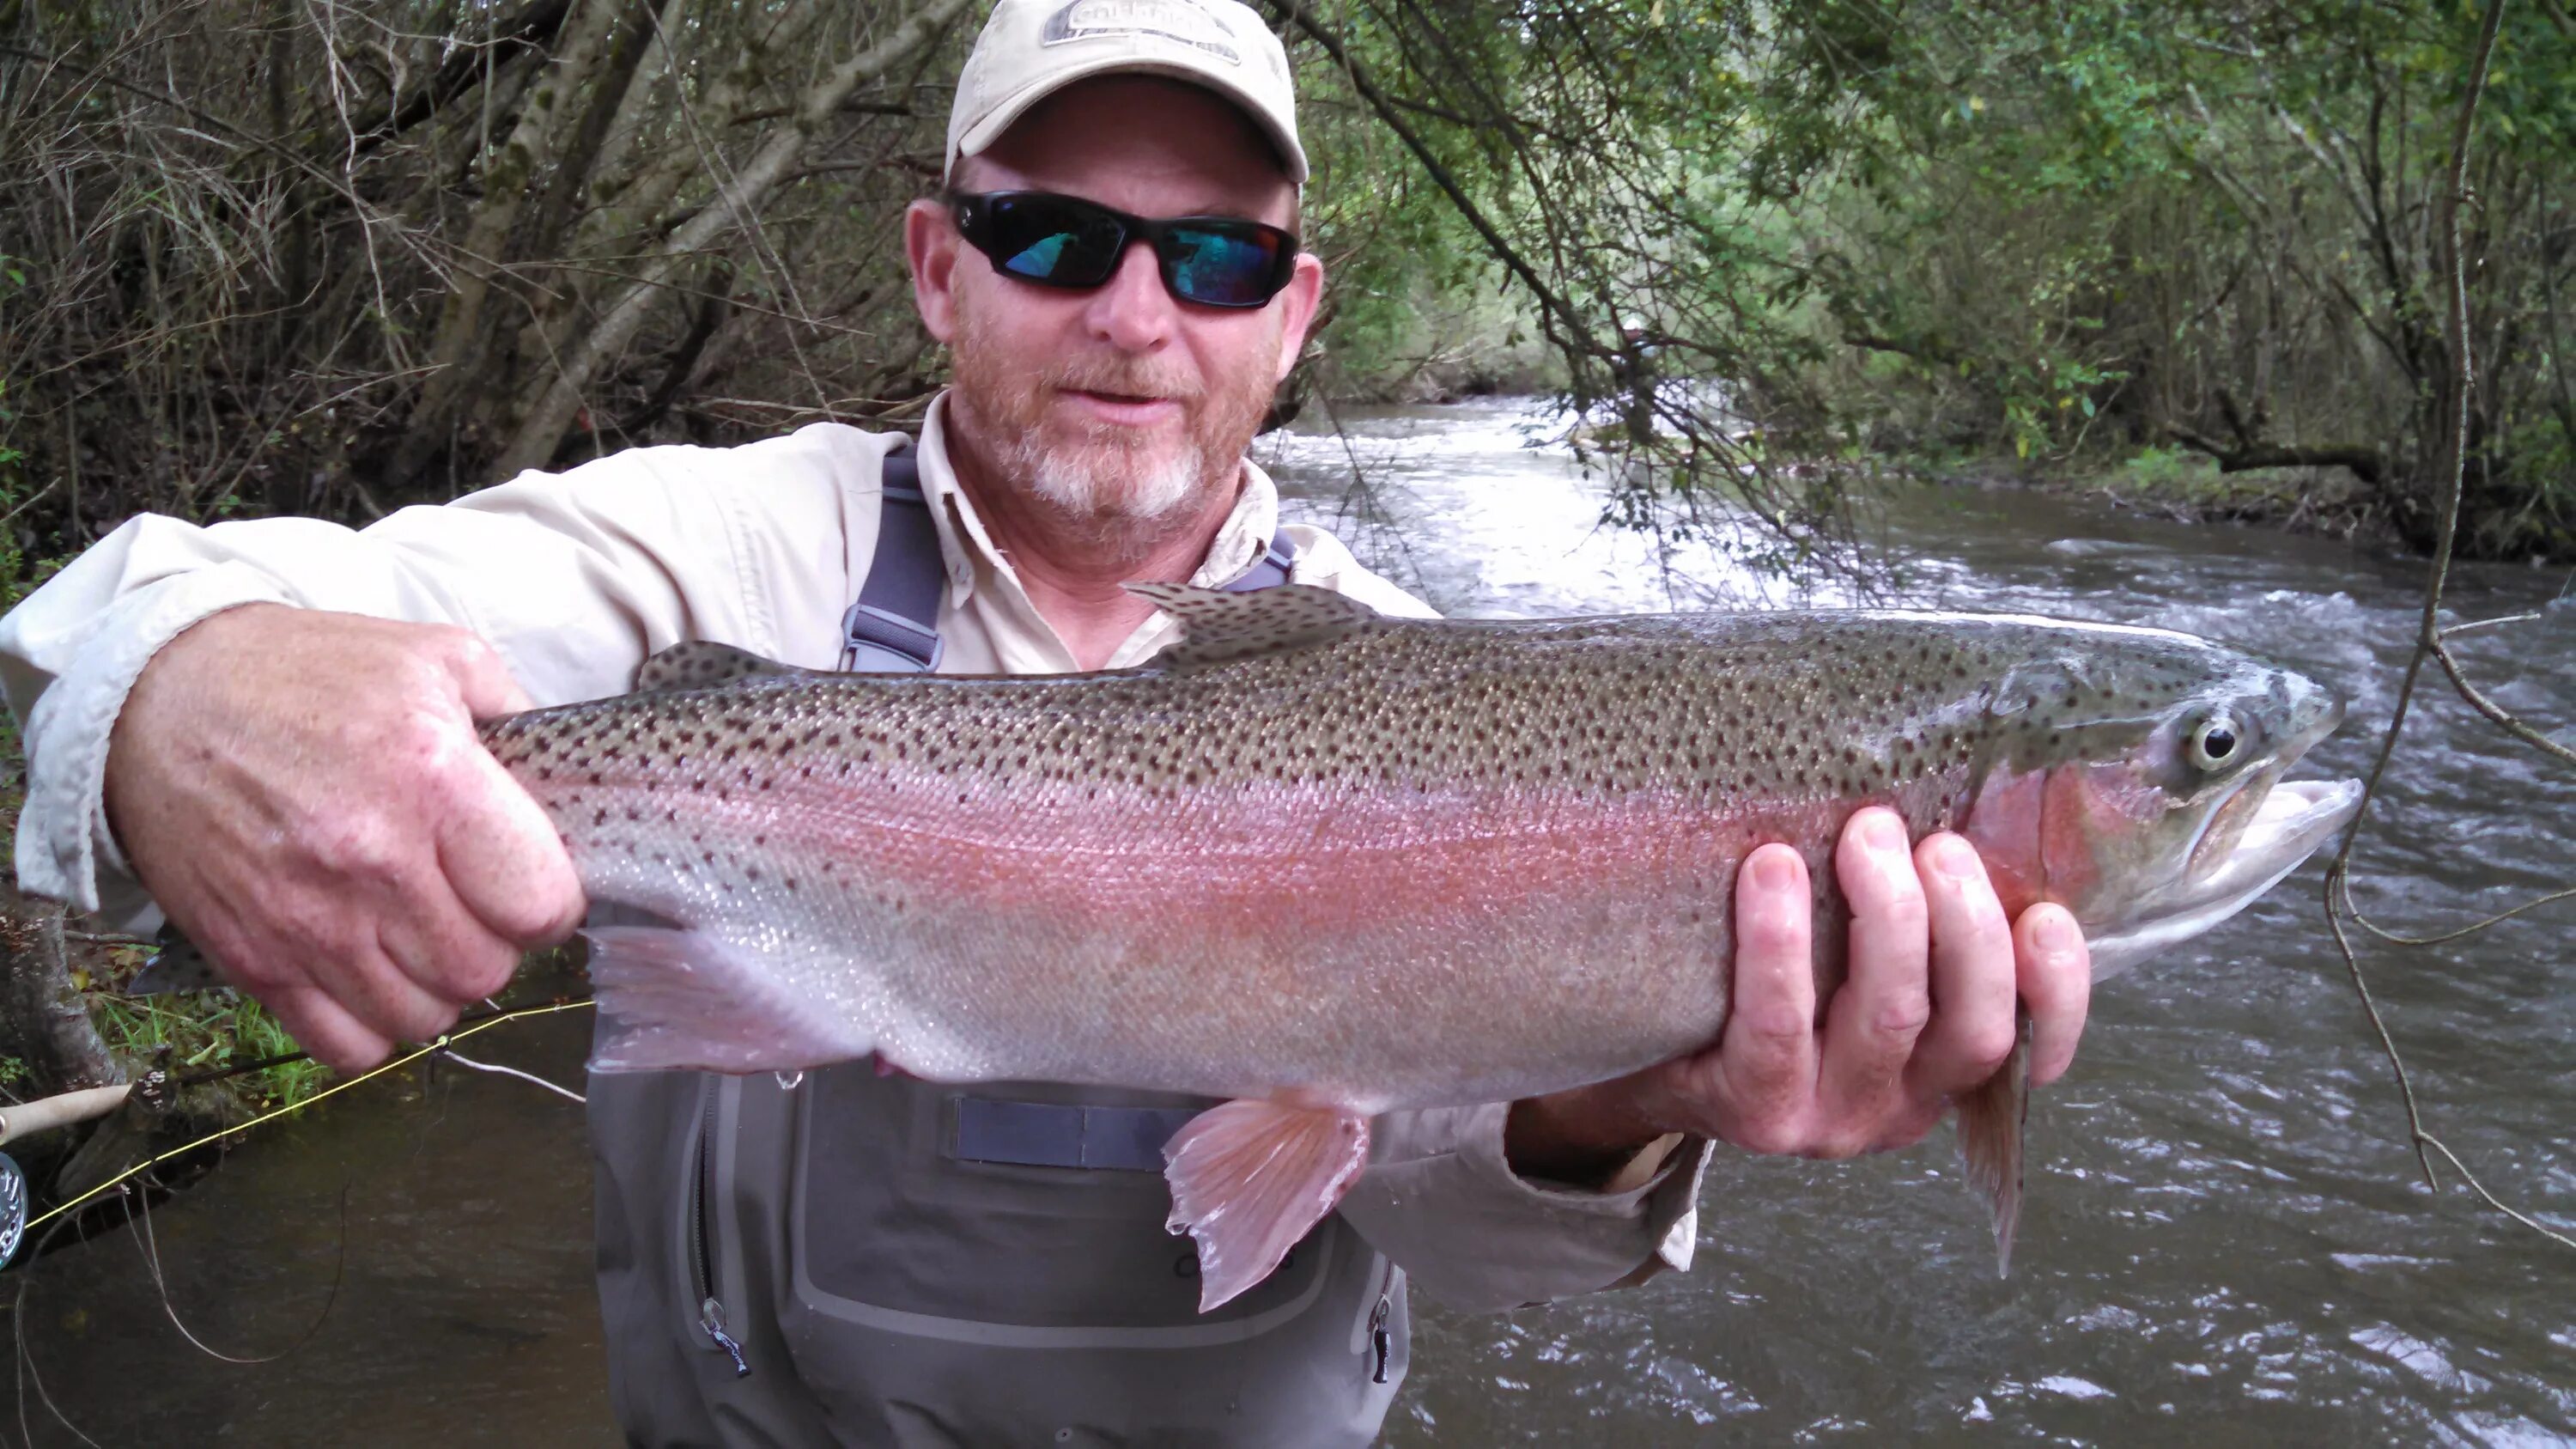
[
  {"x": 1440, "y": 1200},
  {"x": 64, "y": 845}
]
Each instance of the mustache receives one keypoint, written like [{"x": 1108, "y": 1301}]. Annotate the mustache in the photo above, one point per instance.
[{"x": 1127, "y": 379}]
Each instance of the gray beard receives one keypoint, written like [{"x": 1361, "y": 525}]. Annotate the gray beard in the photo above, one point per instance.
[{"x": 1086, "y": 485}]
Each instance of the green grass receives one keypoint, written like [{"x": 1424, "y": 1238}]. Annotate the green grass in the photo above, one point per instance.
[{"x": 208, "y": 1032}]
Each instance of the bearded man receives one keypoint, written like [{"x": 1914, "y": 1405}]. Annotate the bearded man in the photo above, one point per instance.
[{"x": 266, "y": 729}]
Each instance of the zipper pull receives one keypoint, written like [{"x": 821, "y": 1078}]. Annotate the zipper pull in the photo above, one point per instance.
[
  {"x": 711, "y": 1318},
  {"x": 1378, "y": 1339}
]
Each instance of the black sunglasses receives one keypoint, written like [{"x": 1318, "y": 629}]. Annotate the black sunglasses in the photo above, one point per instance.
[{"x": 1064, "y": 241}]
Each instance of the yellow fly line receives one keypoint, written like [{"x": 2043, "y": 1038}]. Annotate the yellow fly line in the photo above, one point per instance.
[{"x": 443, "y": 1042}]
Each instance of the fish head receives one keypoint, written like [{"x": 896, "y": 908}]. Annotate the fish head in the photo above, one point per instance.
[{"x": 2136, "y": 777}]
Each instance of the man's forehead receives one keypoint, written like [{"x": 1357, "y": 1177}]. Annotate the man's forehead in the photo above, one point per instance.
[{"x": 1142, "y": 143}]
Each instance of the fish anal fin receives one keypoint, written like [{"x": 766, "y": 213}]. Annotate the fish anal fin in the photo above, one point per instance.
[
  {"x": 705, "y": 664},
  {"x": 1250, "y": 1178},
  {"x": 1992, "y": 1120},
  {"x": 1217, "y": 626},
  {"x": 672, "y": 999}
]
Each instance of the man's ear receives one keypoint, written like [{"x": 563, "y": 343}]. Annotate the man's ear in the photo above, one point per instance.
[
  {"x": 930, "y": 244},
  {"x": 1303, "y": 294}
]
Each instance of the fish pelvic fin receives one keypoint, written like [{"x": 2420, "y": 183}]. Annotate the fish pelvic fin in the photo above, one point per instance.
[
  {"x": 671, "y": 999},
  {"x": 704, "y": 664},
  {"x": 1250, "y": 1179},
  {"x": 1217, "y": 626},
  {"x": 1992, "y": 1119}
]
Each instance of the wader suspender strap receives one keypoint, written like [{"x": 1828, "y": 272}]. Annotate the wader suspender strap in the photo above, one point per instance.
[
  {"x": 894, "y": 629},
  {"x": 1270, "y": 571}
]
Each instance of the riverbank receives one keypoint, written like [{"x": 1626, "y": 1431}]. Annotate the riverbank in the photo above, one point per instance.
[{"x": 2182, "y": 487}]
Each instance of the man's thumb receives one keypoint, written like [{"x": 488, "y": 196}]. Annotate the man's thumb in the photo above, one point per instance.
[{"x": 483, "y": 681}]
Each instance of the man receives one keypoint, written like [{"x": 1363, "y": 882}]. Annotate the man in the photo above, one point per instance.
[{"x": 267, "y": 727}]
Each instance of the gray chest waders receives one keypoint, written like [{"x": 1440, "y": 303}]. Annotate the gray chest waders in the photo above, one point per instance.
[{"x": 867, "y": 1259}]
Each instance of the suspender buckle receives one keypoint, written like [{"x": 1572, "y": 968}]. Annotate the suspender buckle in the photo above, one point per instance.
[{"x": 881, "y": 641}]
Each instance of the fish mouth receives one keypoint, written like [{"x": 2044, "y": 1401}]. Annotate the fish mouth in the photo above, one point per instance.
[
  {"x": 2295, "y": 818},
  {"x": 2292, "y": 818}
]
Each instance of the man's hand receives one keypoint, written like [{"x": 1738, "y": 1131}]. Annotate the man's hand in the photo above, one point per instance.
[
  {"x": 304, "y": 795},
  {"x": 1927, "y": 1010}
]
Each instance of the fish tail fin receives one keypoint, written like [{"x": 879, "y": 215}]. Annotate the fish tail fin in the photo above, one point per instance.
[
  {"x": 671, "y": 999},
  {"x": 1992, "y": 1117},
  {"x": 1250, "y": 1178}
]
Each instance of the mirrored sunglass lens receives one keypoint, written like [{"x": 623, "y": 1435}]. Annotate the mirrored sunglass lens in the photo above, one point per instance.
[
  {"x": 1054, "y": 244},
  {"x": 1226, "y": 269}
]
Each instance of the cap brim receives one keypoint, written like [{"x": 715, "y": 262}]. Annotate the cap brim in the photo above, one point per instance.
[{"x": 999, "y": 119}]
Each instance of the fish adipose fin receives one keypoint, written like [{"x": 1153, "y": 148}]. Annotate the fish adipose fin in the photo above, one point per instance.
[
  {"x": 1991, "y": 1120},
  {"x": 702, "y": 664},
  {"x": 684, "y": 999},
  {"x": 1218, "y": 626},
  {"x": 1249, "y": 1179}
]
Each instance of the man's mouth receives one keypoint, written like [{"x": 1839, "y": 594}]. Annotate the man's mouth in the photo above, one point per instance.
[{"x": 1123, "y": 407}]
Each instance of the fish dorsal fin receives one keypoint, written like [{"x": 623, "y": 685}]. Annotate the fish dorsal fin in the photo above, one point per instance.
[
  {"x": 1217, "y": 626},
  {"x": 704, "y": 664}
]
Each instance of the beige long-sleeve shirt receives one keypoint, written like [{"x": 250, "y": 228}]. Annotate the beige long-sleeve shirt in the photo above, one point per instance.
[{"x": 576, "y": 578}]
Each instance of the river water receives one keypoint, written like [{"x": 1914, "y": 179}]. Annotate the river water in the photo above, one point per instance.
[{"x": 2225, "y": 1233}]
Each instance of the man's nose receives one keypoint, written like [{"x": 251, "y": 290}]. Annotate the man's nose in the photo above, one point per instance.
[{"x": 1132, "y": 311}]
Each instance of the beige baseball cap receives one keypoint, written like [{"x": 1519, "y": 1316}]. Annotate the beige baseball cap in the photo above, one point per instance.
[{"x": 1031, "y": 49}]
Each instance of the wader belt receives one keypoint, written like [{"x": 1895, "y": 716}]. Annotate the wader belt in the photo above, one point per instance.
[{"x": 1048, "y": 1134}]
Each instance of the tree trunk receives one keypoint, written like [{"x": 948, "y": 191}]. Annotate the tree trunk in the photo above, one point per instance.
[
  {"x": 43, "y": 1019},
  {"x": 736, "y": 201},
  {"x": 507, "y": 178}
]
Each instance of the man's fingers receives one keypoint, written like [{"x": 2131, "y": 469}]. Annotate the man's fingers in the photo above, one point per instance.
[
  {"x": 328, "y": 1033},
  {"x": 2056, "y": 971},
  {"x": 504, "y": 860},
  {"x": 374, "y": 987},
  {"x": 1974, "y": 982},
  {"x": 1768, "y": 1053},
  {"x": 1871, "y": 1029},
  {"x": 449, "y": 953}
]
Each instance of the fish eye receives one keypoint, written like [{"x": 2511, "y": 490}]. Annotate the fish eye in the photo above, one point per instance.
[{"x": 2214, "y": 742}]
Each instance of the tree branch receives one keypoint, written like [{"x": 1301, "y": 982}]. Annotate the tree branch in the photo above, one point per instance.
[
  {"x": 2366, "y": 464},
  {"x": 2428, "y": 644},
  {"x": 1578, "y": 332}
]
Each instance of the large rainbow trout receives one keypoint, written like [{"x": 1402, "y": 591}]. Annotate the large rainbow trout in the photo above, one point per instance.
[{"x": 1325, "y": 864}]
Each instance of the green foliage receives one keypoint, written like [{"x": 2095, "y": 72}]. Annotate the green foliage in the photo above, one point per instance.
[
  {"x": 206, "y": 1032},
  {"x": 1945, "y": 225},
  {"x": 2027, "y": 229},
  {"x": 2168, "y": 470}
]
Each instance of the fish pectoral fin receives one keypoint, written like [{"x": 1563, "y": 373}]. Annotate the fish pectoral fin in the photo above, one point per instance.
[
  {"x": 671, "y": 999},
  {"x": 1992, "y": 1118},
  {"x": 1217, "y": 626},
  {"x": 1249, "y": 1179},
  {"x": 704, "y": 664}
]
